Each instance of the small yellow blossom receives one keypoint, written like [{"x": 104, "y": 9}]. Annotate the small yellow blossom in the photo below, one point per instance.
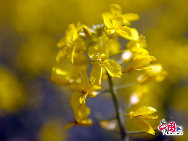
[
  {"x": 116, "y": 10},
  {"x": 68, "y": 73},
  {"x": 81, "y": 111},
  {"x": 117, "y": 23},
  {"x": 71, "y": 43},
  {"x": 143, "y": 114},
  {"x": 100, "y": 59},
  {"x": 140, "y": 62},
  {"x": 156, "y": 73},
  {"x": 139, "y": 56}
]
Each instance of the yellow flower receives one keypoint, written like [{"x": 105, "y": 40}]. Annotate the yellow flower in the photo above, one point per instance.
[
  {"x": 67, "y": 73},
  {"x": 71, "y": 43},
  {"x": 116, "y": 10},
  {"x": 64, "y": 77},
  {"x": 141, "y": 43},
  {"x": 143, "y": 114},
  {"x": 81, "y": 111},
  {"x": 140, "y": 62},
  {"x": 100, "y": 59},
  {"x": 81, "y": 116},
  {"x": 137, "y": 53},
  {"x": 117, "y": 23},
  {"x": 156, "y": 73}
]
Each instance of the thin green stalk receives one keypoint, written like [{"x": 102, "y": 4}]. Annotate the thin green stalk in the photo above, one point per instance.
[
  {"x": 118, "y": 87},
  {"x": 119, "y": 117}
]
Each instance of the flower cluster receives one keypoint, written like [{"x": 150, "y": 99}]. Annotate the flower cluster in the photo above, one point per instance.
[{"x": 99, "y": 47}]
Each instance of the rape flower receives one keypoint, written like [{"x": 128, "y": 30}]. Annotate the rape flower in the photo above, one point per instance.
[
  {"x": 116, "y": 23},
  {"x": 116, "y": 10},
  {"x": 140, "y": 56},
  {"x": 100, "y": 60},
  {"x": 143, "y": 114},
  {"x": 81, "y": 111},
  {"x": 156, "y": 73},
  {"x": 71, "y": 43},
  {"x": 141, "y": 43},
  {"x": 140, "y": 62},
  {"x": 63, "y": 77},
  {"x": 99, "y": 43},
  {"x": 67, "y": 73}
]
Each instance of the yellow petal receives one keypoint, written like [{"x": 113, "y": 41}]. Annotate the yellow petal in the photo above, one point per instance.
[
  {"x": 113, "y": 68},
  {"x": 85, "y": 122},
  {"x": 155, "y": 72},
  {"x": 84, "y": 78},
  {"x": 145, "y": 126},
  {"x": 70, "y": 36},
  {"x": 87, "y": 32},
  {"x": 140, "y": 61},
  {"x": 115, "y": 9},
  {"x": 62, "y": 55},
  {"x": 61, "y": 42},
  {"x": 144, "y": 113},
  {"x": 92, "y": 52},
  {"x": 81, "y": 113},
  {"x": 73, "y": 54},
  {"x": 68, "y": 126},
  {"x": 107, "y": 20},
  {"x": 130, "y": 17},
  {"x": 59, "y": 76},
  {"x": 128, "y": 33},
  {"x": 95, "y": 75},
  {"x": 75, "y": 100}
]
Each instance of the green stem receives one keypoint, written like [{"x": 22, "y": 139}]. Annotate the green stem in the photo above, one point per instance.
[
  {"x": 118, "y": 87},
  {"x": 120, "y": 119}
]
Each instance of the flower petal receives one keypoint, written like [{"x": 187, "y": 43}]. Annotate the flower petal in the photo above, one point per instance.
[
  {"x": 113, "y": 68},
  {"x": 107, "y": 20},
  {"x": 145, "y": 126},
  {"x": 128, "y": 33},
  {"x": 95, "y": 75},
  {"x": 145, "y": 113}
]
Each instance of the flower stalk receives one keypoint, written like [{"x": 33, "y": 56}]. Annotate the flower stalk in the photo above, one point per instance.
[{"x": 119, "y": 117}]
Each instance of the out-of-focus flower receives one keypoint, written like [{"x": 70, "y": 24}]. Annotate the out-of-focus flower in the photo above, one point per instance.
[
  {"x": 156, "y": 73},
  {"x": 67, "y": 73},
  {"x": 143, "y": 114},
  {"x": 71, "y": 43},
  {"x": 52, "y": 130},
  {"x": 12, "y": 97}
]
